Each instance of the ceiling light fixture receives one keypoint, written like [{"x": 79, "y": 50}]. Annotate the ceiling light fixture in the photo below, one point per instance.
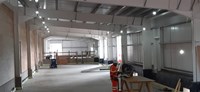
[
  {"x": 48, "y": 31},
  {"x": 138, "y": 31},
  {"x": 43, "y": 22},
  {"x": 144, "y": 29},
  {"x": 40, "y": 17},
  {"x": 123, "y": 7},
  {"x": 36, "y": 12},
  {"x": 36, "y": 1},
  {"x": 181, "y": 52},
  {"x": 108, "y": 32},
  {"x": 154, "y": 12},
  {"x": 48, "y": 18},
  {"x": 121, "y": 31},
  {"x": 172, "y": 28},
  {"x": 45, "y": 26}
]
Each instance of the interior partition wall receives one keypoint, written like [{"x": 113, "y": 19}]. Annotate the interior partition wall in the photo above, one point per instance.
[
  {"x": 119, "y": 49},
  {"x": 134, "y": 47},
  {"x": 177, "y": 47},
  {"x": 75, "y": 46},
  {"x": 114, "y": 47}
]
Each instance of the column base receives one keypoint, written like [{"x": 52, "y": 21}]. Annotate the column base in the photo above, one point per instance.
[
  {"x": 36, "y": 68},
  {"x": 30, "y": 73},
  {"x": 195, "y": 87},
  {"x": 18, "y": 83}
]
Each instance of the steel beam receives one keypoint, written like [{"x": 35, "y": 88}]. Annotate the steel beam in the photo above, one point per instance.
[
  {"x": 121, "y": 10},
  {"x": 99, "y": 18},
  {"x": 114, "y": 11},
  {"x": 56, "y": 4},
  {"x": 76, "y": 7},
  {"x": 23, "y": 2},
  {"x": 132, "y": 11},
  {"x": 146, "y": 11},
  {"x": 157, "y": 4},
  {"x": 94, "y": 10},
  {"x": 137, "y": 11},
  {"x": 54, "y": 23},
  {"x": 126, "y": 11},
  {"x": 196, "y": 9}
]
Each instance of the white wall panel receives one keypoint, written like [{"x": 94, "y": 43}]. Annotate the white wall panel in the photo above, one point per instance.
[
  {"x": 167, "y": 56},
  {"x": 140, "y": 55},
  {"x": 114, "y": 48},
  {"x": 134, "y": 49},
  {"x": 134, "y": 39},
  {"x": 167, "y": 35},
  {"x": 140, "y": 38},
  {"x": 130, "y": 53},
  {"x": 129, "y": 39},
  {"x": 76, "y": 45},
  {"x": 184, "y": 61},
  {"x": 114, "y": 42},
  {"x": 181, "y": 33},
  {"x": 135, "y": 54},
  {"x": 178, "y": 38},
  {"x": 115, "y": 53},
  {"x": 66, "y": 43}
]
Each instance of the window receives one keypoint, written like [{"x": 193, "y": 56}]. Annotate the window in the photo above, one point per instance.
[{"x": 55, "y": 47}]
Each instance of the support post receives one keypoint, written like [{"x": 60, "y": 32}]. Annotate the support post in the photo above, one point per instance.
[
  {"x": 82, "y": 57},
  {"x": 124, "y": 47},
  {"x": 30, "y": 75},
  {"x": 110, "y": 49},
  {"x": 196, "y": 55},
  {"x": 18, "y": 79},
  {"x": 36, "y": 49}
]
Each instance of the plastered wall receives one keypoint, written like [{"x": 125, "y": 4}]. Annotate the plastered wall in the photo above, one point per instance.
[
  {"x": 174, "y": 36},
  {"x": 33, "y": 49},
  {"x": 178, "y": 38},
  {"x": 134, "y": 47},
  {"x": 74, "y": 44},
  {"x": 23, "y": 47},
  {"x": 40, "y": 49},
  {"x": 6, "y": 45}
]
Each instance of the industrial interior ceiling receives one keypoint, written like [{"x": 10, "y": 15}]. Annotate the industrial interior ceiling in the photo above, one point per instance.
[{"x": 83, "y": 19}]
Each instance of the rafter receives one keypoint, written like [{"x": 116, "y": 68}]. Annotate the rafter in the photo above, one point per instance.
[
  {"x": 56, "y": 4},
  {"x": 160, "y": 13},
  {"x": 146, "y": 11},
  {"x": 124, "y": 12},
  {"x": 185, "y": 5},
  {"x": 76, "y": 7},
  {"x": 99, "y": 18},
  {"x": 54, "y": 23},
  {"x": 114, "y": 10},
  {"x": 23, "y": 2},
  {"x": 94, "y": 10},
  {"x": 136, "y": 11}
]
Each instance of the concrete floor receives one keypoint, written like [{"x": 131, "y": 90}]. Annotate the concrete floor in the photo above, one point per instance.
[{"x": 69, "y": 78}]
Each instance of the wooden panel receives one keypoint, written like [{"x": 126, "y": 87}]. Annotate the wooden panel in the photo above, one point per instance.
[{"x": 62, "y": 60}]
